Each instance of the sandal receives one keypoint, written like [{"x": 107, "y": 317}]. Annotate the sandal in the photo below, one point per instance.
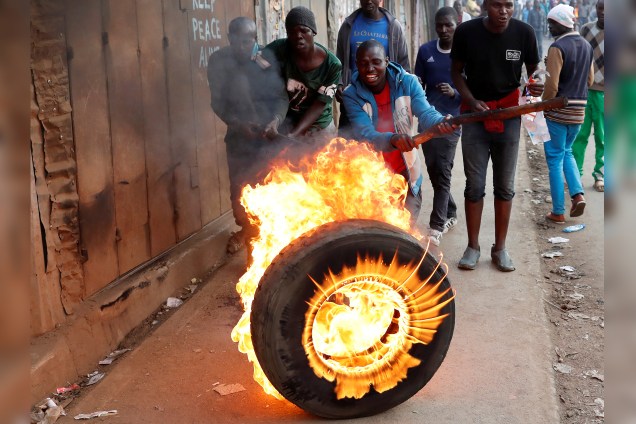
[{"x": 599, "y": 185}]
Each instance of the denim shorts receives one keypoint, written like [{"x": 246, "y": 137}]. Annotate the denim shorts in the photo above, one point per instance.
[{"x": 478, "y": 146}]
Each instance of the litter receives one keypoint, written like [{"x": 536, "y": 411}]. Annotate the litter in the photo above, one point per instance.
[
  {"x": 228, "y": 389},
  {"x": 576, "y": 296},
  {"x": 578, "y": 315},
  {"x": 562, "y": 368},
  {"x": 95, "y": 414},
  {"x": 48, "y": 413},
  {"x": 552, "y": 255},
  {"x": 112, "y": 356},
  {"x": 595, "y": 374},
  {"x": 600, "y": 413},
  {"x": 173, "y": 302},
  {"x": 567, "y": 268},
  {"x": 94, "y": 378},
  {"x": 61, "y": 390},
  {"x": 574, "y": 228},
  {"x": 556, "y": 240}
]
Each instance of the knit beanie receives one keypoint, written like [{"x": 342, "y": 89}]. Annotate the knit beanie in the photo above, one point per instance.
[
  {"x": 300, "y": 15},
  {"x": 563, "y": 14}
]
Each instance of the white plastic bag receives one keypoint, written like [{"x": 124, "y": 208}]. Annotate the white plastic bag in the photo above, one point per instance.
[{"x": 535, "y": 123}]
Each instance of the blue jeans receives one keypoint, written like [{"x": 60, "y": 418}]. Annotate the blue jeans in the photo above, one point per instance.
[{"x": 558, "y": 155}]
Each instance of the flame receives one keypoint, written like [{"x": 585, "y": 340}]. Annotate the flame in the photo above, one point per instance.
[
  {"x": 345, "y": 180},
  {"x": 362, "y": 323}
]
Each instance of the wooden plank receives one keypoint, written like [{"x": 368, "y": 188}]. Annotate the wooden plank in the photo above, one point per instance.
[
  {"x": 91, "y": 130},
  {"x": 247, "y": 9},
  {"x": 177, "y": 30},
  {"x": 319, "y": 7},
  {"x": 159, "y": 162},
  {"x": 46, "y": 304},
  {"x": 210, "y": 36},
  {"x": 126, "y": 119}
]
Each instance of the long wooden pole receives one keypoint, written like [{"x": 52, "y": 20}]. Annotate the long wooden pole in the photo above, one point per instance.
[{"x": 505, "y": 113}]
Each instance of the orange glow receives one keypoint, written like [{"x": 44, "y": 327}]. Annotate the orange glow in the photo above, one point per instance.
[
  {"x": 362, "y": 323},
  {"x": 345, "y": 180}
]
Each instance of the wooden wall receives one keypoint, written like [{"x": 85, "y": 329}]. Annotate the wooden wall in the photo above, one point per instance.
[
  {"x": 128, "y": 157},
  {"x": 147, "y": 150}
]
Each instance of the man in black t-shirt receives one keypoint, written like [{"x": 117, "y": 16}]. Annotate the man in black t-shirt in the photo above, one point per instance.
[{"x": 487, "y": 57}]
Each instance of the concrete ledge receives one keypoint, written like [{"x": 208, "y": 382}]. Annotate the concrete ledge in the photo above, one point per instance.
[{"x": 101, "y": 322}]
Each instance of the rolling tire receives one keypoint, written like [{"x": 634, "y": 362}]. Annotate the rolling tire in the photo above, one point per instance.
[{"x": 281, "y": 302}]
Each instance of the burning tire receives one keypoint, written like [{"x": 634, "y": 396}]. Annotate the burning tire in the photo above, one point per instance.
[{"x": 341, "y": 332}]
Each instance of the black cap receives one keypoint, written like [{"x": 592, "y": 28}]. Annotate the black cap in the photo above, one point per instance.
[{"x": 300, "y": 15}]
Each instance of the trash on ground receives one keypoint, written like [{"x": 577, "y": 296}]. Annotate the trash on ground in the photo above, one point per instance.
[
  {"x": 173, "y": 302},
  {"x": 574, "y": 228},
  {"x": 192, "y": 287},
  {"x": 578, "y": 315},
  {"x": 595, "y": 374},
  {"x": 155, "y": 322},
  {"x": 576, "y": 296},
  {"x": 600, "y": 412},
  {"x": 568, "y": 272},
  {"x": 536, "y": 201},
  {"x": 562, "y": 368},
  {"x": 528, "y": 190},
  {"x": 95, "y": 414},
  {"x": 228, "y": 389},
  {"x": 552, "y": 255},
  {"x": 555, "y": 240},
  {"x": 112, "y": 356},
  {"x": 95, "y": 377},
  {"x": 48, "y": 413},
  {"x": 70, "y": 388},
  {"x": 195, "y": 280}
]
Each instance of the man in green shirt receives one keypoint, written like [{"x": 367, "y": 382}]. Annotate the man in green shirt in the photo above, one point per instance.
[{"x": 311, "y": 75}]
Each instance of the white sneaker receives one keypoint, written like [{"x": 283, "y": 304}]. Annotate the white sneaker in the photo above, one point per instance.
[
  {"x": 450, "y": 223},
  {"x": 434, "y": 236}
]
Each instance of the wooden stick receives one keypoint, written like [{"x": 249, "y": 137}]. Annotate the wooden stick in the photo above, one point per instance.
[{"x": 502, "y": 114}]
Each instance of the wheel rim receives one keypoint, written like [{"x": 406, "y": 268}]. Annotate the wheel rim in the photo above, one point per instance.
[{"x": 362, "y": 322}]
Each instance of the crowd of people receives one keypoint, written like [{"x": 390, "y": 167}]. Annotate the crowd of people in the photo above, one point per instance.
[{"x": 287, "y": 90}]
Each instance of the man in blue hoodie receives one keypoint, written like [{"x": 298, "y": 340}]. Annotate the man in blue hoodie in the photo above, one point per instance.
[
  {"x": 381, "y": 102},
  {"x": 368, "y": 22}
]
